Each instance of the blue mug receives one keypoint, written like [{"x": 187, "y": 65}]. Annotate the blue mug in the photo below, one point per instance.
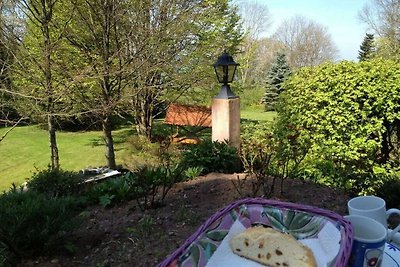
[{"x": 369, "y": 242}]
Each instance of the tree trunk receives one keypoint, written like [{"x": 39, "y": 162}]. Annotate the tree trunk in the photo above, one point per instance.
[
  {"x": 109, "y": 142},
  {"x": 143, "y": 125},
  {"x": 144, "y": 106},
  {"x": 55, "y": 161}
]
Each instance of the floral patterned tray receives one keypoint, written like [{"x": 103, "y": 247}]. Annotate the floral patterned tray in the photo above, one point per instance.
[
  {"x": 391, "y": 258},
  {"x": 301, "y": 221}
]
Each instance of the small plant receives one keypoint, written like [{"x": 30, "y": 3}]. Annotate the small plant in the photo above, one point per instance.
[
  {"x": 152, "y": 184},
  {"x": 4, "y": 257},
  {"x": 144, "y": 227},
  {"x": 212, "y": 157},
  {"x": 106, "y": 200},
  {"x": 55, "y": 183},
  {"x": 186, "y": 216},
  {"x": 193, "y": 172},
  {"x": 112, "y": 190}
]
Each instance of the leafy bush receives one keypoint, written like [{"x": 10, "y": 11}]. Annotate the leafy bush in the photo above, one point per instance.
[
  {"x": 389, "y": 190},
  {"x": 31, "y": 223},
  {"x": 55, "y": 183},
  {"x": 349, "y": 112},
  {"x": 212, "y": 157}
]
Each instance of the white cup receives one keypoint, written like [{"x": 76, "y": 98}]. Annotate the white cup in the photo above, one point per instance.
[
  {"x": 375, "y": 208},
  {"x": 369, "y": 242}
]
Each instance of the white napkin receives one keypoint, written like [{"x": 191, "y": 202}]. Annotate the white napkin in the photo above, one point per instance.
[
  {"x": 325, "y": 248},
  {"x": 224, "y": 256}
]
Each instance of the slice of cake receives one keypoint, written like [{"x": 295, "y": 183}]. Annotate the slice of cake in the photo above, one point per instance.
[{"x": 271, "y": 248}]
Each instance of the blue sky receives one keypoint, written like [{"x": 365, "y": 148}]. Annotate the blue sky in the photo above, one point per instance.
[{"x": 338, "y": 16}]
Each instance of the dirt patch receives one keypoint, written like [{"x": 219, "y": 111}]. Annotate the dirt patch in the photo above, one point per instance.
[{"x": 125, "y": 236}]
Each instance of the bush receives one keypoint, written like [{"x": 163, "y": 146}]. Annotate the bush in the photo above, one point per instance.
[
  {"x": 143, "y": 152},
  {"x": 55, "y": 183},
  {"x": 152, "y": 184},
  {"x": 212, "y": 157},
  {"x": 257, "y": 153},
  {"x": 271, "y": 152},
  {"x": 389, "y": 190},
  {"x": 112, "y": 190},
  {"x": 148, "y": 185},
  {"x": 31, "y": 223},
  {"x": 348, "y": 111}
]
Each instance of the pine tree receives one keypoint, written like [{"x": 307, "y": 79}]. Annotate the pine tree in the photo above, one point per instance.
[
  {"x": 367, "y": 47},
  {"x": 276, "y": 75}
]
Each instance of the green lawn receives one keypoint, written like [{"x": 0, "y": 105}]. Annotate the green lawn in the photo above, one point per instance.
[
  {"x": 26, "y": 149},
  {"x": 257, "y": 113}
]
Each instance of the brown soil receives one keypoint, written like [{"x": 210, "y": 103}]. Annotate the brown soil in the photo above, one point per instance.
[{"x": 126, "y": 236}]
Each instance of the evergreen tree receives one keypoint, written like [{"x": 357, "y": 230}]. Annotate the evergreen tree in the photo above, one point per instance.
[
  {"x": 367, "y": 47},
  {"x": 276, "y": 75}
]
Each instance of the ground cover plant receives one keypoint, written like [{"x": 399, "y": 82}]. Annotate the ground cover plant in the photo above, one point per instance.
[{"x": 34, "y": 224}]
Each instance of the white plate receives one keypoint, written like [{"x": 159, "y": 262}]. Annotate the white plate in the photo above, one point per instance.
[{"x": 392, "y": 256}]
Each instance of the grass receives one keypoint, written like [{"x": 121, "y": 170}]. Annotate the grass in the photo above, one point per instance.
[
  {"x": 26, "y": 149},
  {"x": 257, "y": 113}
]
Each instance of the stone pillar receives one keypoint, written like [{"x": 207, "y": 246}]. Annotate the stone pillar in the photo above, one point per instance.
[{"x": 225, "y": 113}]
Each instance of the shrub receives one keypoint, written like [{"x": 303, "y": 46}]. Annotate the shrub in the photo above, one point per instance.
[
  {"x": 32, "y": 223},
  {"x": 148, "y": 185},
  {"x": 257, "y": 152},
  {"x": 212, "y": 157},
  {"x": 143, "y": 152},
  {"x": 389, "y": 190},
  {"x": 152, "y": 184},
  {"x": 112, "y": 190},
  {"x": 269, "y": 153},
  {"x": 349, "y": 112},
  {"x": 55, "y": 183}
]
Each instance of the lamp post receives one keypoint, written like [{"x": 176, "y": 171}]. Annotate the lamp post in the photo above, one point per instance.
[
  {"x": 225, "y": 69},
  {"x": 226, "y": 105}
]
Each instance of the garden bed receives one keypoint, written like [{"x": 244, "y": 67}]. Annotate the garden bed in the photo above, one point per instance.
[{"x": 123, "y": 235}]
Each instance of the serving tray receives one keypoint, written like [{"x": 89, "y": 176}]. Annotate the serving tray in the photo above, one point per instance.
[{"x": 301, "y": 221}]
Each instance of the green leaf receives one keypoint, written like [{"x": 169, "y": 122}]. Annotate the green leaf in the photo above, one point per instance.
[{"x": 217, "y": 235}]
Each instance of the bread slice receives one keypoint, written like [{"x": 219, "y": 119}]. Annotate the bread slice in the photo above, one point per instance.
[{"x": 271, "y": 248}]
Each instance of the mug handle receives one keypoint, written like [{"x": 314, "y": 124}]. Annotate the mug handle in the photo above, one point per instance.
[{"x": 395, "y": 230}]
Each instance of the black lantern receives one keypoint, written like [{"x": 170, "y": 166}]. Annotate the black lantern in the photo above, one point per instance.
[{"x": 225, "y": 69}]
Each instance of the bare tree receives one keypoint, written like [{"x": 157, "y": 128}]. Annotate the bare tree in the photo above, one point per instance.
[
  {"x": 383, "y": 18},
  {"x": 306, "y": 42},
  {"x": 10, "y": 26},
  {"x": 35, "y": 68},
  {"x": 256, "y": 20},
  {"x": 100, "y": 32},
  {"x": 178, "y": 40}
]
